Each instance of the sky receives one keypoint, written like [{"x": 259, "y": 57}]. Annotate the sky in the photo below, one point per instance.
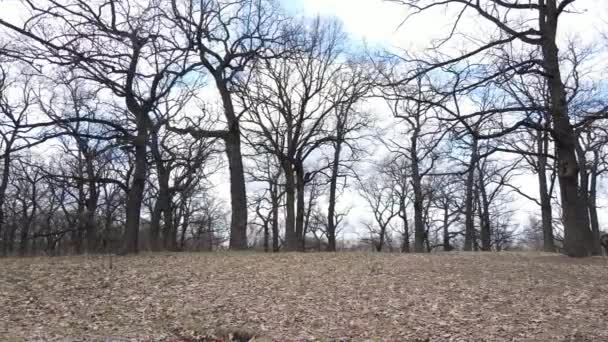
[
  {"x": 379, "y": 21},
  {"x": 378, "y": 24}
]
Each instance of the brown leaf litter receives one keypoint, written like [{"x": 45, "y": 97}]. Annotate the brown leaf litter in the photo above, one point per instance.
[{"x": 305, "y": 297}]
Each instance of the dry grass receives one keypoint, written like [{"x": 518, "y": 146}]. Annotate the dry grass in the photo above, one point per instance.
[{"x": 305, "y": 297}]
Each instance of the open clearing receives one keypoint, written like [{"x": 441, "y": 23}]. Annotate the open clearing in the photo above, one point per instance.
[{"x": 305, "y": 297}]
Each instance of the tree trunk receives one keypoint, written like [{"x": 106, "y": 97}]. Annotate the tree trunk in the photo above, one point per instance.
[
  {"x": 331, "y": 210},
  {"x": 3, "y": 186},
  {"x": 275, "y": 216},
  {"x": 162, "y": 205},
  {"x": 91, "y": 208},
  {"x": 24, "y": 236},
  {"x": 135, "y": 194},
  {"x": 169, "y": 228},
  {"x": 291, "y": 241},
  {"x": 469, "y": 229},
  {"x": 446, "y": 223},
  {"x": 300, "y": 209},
  {"x": 419, "y": 231},
  {"x": 380, "y": 243},
  {"x": 544, "y": 195},
  {"x": 583, "y": 190},
  {"x": 77, "y": 235},
  {"x": 307, "y": 216},
  {"x": 266, "y": 237},
  {"x": 486, "y": 229},
  {"x": 10, "y": 241},
  {"x": 592, "y": 201},
  {"x": 578, "y": 240},
  {"x": 405, "y": 244},
  {"x": 154, "y": 235},
  {"x": 185, "y": 214},
  {"x": 90, "y": 203},
  {"x": 238, "y": 192}
]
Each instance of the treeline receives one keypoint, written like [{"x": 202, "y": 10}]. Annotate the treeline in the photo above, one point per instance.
[{"x": 112, "y": 142}]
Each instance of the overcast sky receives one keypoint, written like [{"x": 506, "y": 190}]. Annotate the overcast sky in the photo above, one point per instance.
[
  {"x": 378, "y": 21},
  {"x": 377, "y": 24}
]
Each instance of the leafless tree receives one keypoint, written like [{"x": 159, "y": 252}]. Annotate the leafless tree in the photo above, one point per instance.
[
  {"x": 422, "y": 150},
  {"x": 538, "y": 37},
  {"x": 16, "y": 100},
  {"x": 379, "y": 194},
  {"x": 290, "y": 100},
  {"x": 227, "y": 38},
  {"x": 123, "y": 48}
]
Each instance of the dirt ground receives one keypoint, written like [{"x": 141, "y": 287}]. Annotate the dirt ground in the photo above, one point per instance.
[{"x": 305, "y": 297}]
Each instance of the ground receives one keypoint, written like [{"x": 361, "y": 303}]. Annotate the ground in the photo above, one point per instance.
[{"x": 305, "y": 297}]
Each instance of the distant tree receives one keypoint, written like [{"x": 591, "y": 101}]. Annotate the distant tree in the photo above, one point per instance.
[
  {"x": 532, "y": 234},
  {"x": 378, "y": 192}
]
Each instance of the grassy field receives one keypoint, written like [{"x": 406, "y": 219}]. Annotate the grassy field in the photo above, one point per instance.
[{"x": 305, "y": 297}]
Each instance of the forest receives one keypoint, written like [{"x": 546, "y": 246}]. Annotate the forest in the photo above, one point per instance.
[
  {"x": 121, "y": 122},
  {"x": 278, "y": 170}
]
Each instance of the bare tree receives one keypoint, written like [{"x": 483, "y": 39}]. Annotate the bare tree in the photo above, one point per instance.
[
  {"x": 141, "y": 67},
  {"x": 267, "y": 202},
  {"x": 14, "y": 111},
  {"x": 426, "y": 133},
  {"x": 228, "y": 37},
  {"x": 290, "y": 99},
  {"x": 448, "y": 202},
  {"x": 539, "y": 38},
  {"x": 379, "y": 194}
]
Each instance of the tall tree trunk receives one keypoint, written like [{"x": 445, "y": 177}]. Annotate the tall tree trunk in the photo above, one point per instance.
[
  {"x": 210, "y": 235},
  {"x": 300, "y": 208},
  {"x": 91, "y": 209},
  {"x": 583, "y": 190},
  {"x": 90, "y": 202},
  {"x": 419, "y": 231},
  {"x": 169, "y": 228},
  {"x": 544, "y": 195},
  {"x": 77, "y": 235},
  {"x": 24, "y": 236},
  {"x": 266, "y": 237},
  {"x": 238, "y": 192},
  {"x": 135, "y": 194},
  {"x": 154, "y": 235},
  {"x": 291, "y": 240},
  {"x": 486, "y": 229},
  {"x": 184, "y": 214},
  {"x": 446, "y": 223},
  {"x": 418, "y": 215},
  {"x": 10, "y": 241},
  {"x": 592, "y": 201},
  {"x": 27, "y": 222},
  {"x": 405, "y": 244},
  {"x": 578, "y": 240},
  {"x": 162, "y": 205},
  {"x": 331, "y": 209},
  {"x": 6, "y": 164},
  {"x": 108, "y": 222},
  {"x": 275, "y": 216},
  {"x": 380, "y": 243},
  {"x": 469, "y": 226}
]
